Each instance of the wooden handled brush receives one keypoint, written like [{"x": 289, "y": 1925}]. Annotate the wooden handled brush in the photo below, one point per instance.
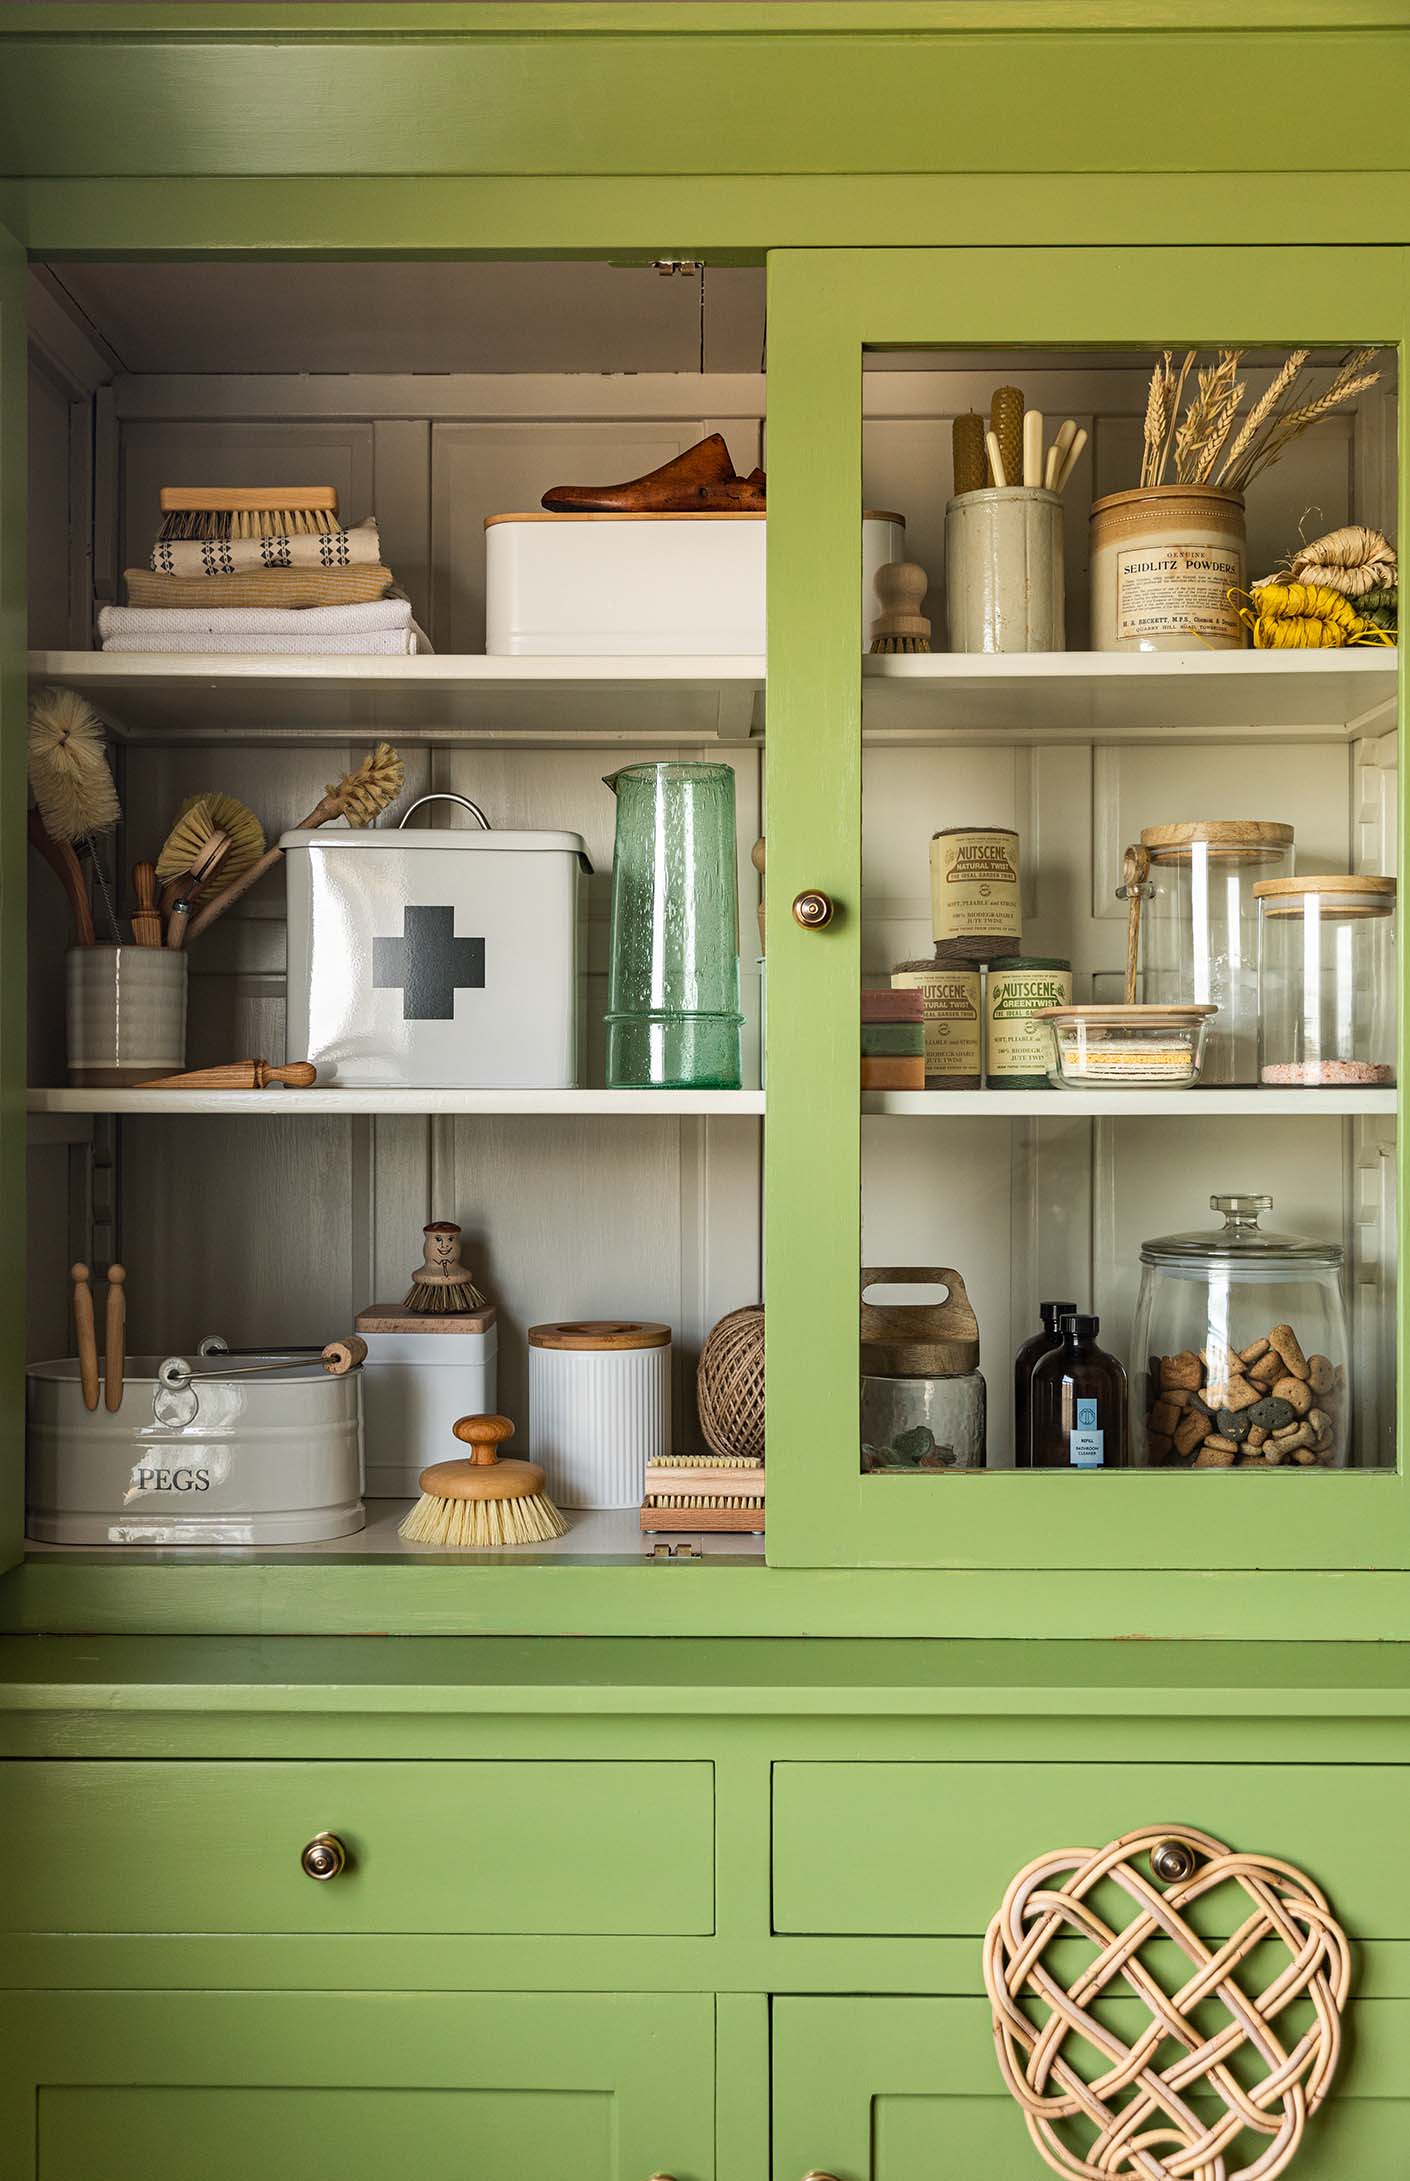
[
  {"x": 65, "y": 865},
  {"x": 481, "y": 1502},
  {"x": 359, "y": 797},
  {"x": 214, "y": 837},
  {"x": 73, "y": 787},
  {"x": 146, "y": 917},
  {"x": 247, "y": 511},
  {"x": 901, "y": 626}
]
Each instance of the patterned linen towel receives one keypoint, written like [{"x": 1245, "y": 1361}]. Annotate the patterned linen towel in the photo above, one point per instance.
[
  {"x": 256, "y": 643},
  {"x": 359, "y": 547},
  {"x": 381, "y": 613},
  {"x": 288, "y": 587}
]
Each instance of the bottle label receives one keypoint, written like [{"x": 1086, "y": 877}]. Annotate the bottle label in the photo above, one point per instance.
[
  {"x": 1086, "y": 1441},
  {"x": 974, "y": 885},
  {"x": 1170, "y": 589},
  {"x": 1017, "y": 1044},
  {"x": 951, "y": 1018}
]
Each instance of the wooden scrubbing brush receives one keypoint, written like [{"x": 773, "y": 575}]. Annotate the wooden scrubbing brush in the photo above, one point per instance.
[
  {"x": 440, "y": 1285},
  {"x": 481, "y": 1502},
  {"x": 703, "y": 1492},
  {"x": 247, "y": 511},
  {"x": 214, "y": 837},
  {"x": 73, "y": 787},
  {"x": 359, "y": 797},
  {"x": 901, "y": 586}
]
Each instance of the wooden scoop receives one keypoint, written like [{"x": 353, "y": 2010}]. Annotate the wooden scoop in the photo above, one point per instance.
[{"x": 1135, "y": 875}]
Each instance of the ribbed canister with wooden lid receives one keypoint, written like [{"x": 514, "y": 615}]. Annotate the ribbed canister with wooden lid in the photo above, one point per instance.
[{"x": 599, "y": 1407}]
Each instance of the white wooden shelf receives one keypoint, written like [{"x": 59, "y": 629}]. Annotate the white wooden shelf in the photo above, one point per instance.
[
  {"x": 1122, "y": 696},
  {"x": 1111, "y": 1105},
  {"x": 351, "y": 1103},
  {"x": 1073, "y": 696},
  {"x": 218, "y": 697}
]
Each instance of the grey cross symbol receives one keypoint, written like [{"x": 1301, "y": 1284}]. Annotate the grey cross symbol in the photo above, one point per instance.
[{"x": 428, "y": 963}]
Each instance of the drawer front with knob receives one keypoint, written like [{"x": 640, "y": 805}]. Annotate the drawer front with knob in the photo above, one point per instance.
[
  {"x": 614, "y": 1849},
  {"x": 871, "y": 1850}
]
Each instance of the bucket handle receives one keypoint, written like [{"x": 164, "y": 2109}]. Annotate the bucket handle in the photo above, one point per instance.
[{"x": 443, "y": 795}]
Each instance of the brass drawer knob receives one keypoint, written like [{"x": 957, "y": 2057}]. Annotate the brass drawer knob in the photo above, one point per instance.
[
  {"x": 324, "y": 1857},
  {"x": 1173, "y": 1861},
  {"x": 813, "y": 910}
]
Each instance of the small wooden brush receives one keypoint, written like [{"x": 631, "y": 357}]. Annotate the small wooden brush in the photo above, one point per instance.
[
  {"x": 703, "y": 1492},
  {"x": 475, "y": 1504},
  {"x": 214, "y": 835},
  {"x": 180, "y": 895},
  {"x": 146, "y": 917},
  {"x": 360, "y": 796},
  {"x": 247, "y": 511},
  {"x": 441, "y": 1287},
  {"x": 901, "y": 626}
]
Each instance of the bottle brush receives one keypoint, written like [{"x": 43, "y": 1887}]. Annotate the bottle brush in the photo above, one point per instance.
[{"x": 477, "y": 1503}]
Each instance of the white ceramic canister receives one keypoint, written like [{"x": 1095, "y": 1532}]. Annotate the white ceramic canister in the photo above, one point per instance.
[
  {"x": 421, "y": 1375},
  {"x": 215, "y": 1449},
  {"x": 1164, "y": 561},
  {"x": 125, "y": 1011},
  {"x": 1004, "y": 586},
  {"x": 599, "y": 1408}
]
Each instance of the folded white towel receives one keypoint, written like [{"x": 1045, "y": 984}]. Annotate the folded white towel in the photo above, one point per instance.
[
  {"x": 223, "y": 621},
  {"x": 256, "y": 643}
]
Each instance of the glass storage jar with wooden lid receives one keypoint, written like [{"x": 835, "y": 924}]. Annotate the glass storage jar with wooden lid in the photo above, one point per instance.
[
  {"x": 1240, "y": 1353},
  {"x": 1326, "y": 982},
  {"x": 1199, "y": 929}
]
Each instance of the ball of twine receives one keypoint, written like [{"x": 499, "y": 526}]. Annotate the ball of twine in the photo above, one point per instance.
[{"x": 729, "y": 1386}]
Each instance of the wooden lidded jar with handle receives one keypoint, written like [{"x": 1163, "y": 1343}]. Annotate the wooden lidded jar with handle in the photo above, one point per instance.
[{"x": 923, "y": 1398}]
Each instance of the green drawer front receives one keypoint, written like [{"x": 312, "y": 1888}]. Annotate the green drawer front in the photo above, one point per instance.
[
  {"x": 922, "y": 1849},
  {"x": 556, "y": 1849},
  {"x": 897, "y": 2089}
]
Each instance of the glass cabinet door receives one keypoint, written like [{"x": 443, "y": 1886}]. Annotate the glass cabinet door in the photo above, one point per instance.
[{"x": 958, "y": 838}]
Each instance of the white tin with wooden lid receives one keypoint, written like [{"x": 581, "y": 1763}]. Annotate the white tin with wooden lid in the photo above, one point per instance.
[{"x": 599, "y": 1407}]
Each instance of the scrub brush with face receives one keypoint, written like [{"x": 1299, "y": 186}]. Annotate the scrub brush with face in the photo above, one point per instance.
[
  {"x": 359, "y": 797},
  {"x": 73, "y": 792},
  {"x": 441, "y": 1286},
  {"x": 475, "y": 1504}
]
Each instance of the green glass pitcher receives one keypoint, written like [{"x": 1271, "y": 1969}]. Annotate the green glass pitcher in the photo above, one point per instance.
[{"x": 673, "y": 1018}]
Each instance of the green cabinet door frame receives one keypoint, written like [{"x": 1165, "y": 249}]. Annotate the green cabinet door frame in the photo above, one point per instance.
[
  {"x": 14, "y": 463},
  {"x": 825, "y": 307}
]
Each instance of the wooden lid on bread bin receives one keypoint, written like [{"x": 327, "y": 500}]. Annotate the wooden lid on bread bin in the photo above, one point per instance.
[
  {"x": 918, "y": 1340},
  {"x": 597, "y": 1334}
]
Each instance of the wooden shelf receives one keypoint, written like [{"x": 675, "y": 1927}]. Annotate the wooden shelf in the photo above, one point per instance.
[
  {"x": 352, "y": 1103},
  {"x": 1074, "y": 696},
  {"x": 1113, "y": 1105},
  {"x": 217, "y": 697},
  {"x": 1108, "y": 697}
]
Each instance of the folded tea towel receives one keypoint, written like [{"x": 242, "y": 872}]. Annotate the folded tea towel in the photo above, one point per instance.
[
  {"x": 233, "y": 556},
  {"x": 256, "y": 643},
  {"x": 289, "y": 587},
  {"x": 379, "y": 613}
]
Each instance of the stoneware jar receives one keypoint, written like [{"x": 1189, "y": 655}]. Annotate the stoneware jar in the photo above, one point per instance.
[
  {"x": 1004, "y": 587},
  {"x": 1164, "y": 561},
  {"x": 126, "y": 1013}
]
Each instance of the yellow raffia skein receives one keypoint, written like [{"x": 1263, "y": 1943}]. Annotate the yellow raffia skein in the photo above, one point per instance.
[{"x": 1303, "y": 617}]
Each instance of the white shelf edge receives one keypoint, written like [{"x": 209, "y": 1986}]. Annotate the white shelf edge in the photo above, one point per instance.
[
  {"x": 353, "y": 1102},
  {"x": 1111, "y": 1105}
]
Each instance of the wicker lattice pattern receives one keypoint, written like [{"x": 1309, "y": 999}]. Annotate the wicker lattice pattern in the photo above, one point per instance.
[
  {"x": 1214, "y": 2062},
  {"x": 729, "y": 1386}
]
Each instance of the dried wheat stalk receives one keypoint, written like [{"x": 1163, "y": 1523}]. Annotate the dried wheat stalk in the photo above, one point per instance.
[
  {"x": 1157, "y": 418},
  {"x": 1197, "y": 440}
]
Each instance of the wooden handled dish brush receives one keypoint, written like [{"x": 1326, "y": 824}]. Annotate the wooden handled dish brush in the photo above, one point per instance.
[
  {"x": 477, "y": 1503},
  {"x": 441, "y": 1285},
  {"x": 214, "y": 837},
  {"x": 360, "y": 796},
  {"x": 74, "y": 795},
  {"x": 247, "y": 511},
  {"x": 901, "y": 626}
]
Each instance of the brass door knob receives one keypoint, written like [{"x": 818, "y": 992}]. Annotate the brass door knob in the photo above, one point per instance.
[
  {"x": 812, "y": 910},
  {"x": 324, "y": 1857},
  {"x": 1173, "y": 1861}
]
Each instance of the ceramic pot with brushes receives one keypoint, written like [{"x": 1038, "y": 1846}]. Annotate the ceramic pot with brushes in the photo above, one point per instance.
[
  {"x": 125, "y": 1014},
  {"x": 1004, "y": 577}
]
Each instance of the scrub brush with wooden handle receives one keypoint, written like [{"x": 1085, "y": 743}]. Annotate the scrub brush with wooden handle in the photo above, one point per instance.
[
  {"x": 441, "y": 1286},
  {"x": 247, "y": 511},
  {"x": 359, "y": 797},
  {"x": 901, "y": 586},
  {"x": 73, "y": 789},
  {"x": 213, "y": 835},
  {"x": 476, "y": 1504}
]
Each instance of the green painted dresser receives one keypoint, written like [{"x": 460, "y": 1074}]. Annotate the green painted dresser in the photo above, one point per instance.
[{"x": 680, "y": 1863}]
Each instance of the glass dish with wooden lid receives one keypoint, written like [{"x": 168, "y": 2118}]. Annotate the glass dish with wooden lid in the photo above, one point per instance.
[{"x": 1135, "y": 1046}]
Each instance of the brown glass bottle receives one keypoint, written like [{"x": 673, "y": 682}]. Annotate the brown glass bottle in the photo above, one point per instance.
[
  {"x": 1050, "y": 1337},
  {"x": 1078, "y": 1403}
]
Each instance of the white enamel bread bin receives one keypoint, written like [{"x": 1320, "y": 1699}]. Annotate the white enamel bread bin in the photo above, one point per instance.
[
  {"x": 231, "y": 1459},
  {"x": 632, "y": 586},
  {"x": 446, "y": 959}
]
